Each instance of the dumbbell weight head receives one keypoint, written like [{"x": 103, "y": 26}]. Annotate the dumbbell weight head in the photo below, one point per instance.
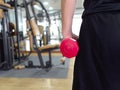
[{"x": 69, "y": 47}]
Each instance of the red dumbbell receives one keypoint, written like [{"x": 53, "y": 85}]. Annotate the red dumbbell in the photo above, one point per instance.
[{"x": 69, "y": 47}]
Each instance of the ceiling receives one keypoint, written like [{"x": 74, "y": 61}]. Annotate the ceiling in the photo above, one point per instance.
[
  {"x": 56, "y": 4},
  {"x": 53, "y": 6}
]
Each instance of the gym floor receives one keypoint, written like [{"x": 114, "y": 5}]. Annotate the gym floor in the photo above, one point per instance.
[{"x": 38, "y": 84}]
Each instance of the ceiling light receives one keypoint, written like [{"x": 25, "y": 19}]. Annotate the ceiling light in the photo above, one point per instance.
[
  {"x": 50, "y": 8},
  {"x": 45, "y": 3}
]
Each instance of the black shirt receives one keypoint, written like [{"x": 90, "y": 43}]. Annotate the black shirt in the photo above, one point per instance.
[{"x": 95, "y": 6}]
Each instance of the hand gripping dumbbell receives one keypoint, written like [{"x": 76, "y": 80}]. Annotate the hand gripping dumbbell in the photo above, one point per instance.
[{"x": 69, "y": 47}]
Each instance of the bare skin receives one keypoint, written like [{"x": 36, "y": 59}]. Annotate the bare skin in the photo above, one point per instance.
[{"x": 67, "y": 9}]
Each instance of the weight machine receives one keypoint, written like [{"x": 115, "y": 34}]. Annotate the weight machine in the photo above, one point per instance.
[
  {"x": 35, "y": 32},
  {"x": 7, "y": 58},
  {"x": 6, "y": 45}
]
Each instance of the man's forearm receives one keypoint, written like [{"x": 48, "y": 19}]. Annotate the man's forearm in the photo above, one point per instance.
[{"x": 67, "y": 9}]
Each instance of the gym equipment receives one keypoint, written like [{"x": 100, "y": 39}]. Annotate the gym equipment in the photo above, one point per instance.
[
  {"x": 17, "y": 35},
  {"x": 36, "y": 32},
  {"x": 45, "y": 38},
  {"x": 6, "y": 45},
  {"x": 8, "y": 52},
  {"x": 69, "y": 47},
  {"x": 7, "y": 59}
]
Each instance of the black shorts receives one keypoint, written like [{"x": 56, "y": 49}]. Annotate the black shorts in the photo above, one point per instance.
[{"x": 97, "y": 65}]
